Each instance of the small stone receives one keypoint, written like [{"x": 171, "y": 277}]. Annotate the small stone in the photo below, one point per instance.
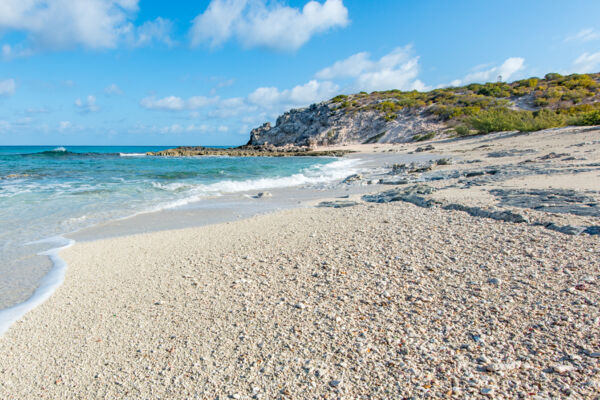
[
  {"x": 352, "y": 178},
  {"x": 594, "y": 354},
  {"x": 494, "y": 281},
  {"x": 487, "y": 391},
  {"x": 335, "y": 383},
  {"x": 562, "y": 369},
  {"x": 263, "y": 194},
  {"x": 300, "y": 306}
]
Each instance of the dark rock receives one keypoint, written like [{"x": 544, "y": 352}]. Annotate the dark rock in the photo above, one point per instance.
[
  {"x": 266, "y": 150},
  {"x": 353, "y": 178},
  {"x": 412, "y": 194},
  {"x": 567, "y": 229},
  {"x": 549, "y": 200},
  {"x": 553, "y": 155},
  {"x": 509, "y": 153},
  {"x": 592, "y": 230},
  {"x": 474, "y": 173},
  {"x": 498, "y": 215},
  {"x": 337, "y": 204},
  {"x": 426, "y": 148},
  {"x": 401, "y": 181},
  {"x": 421, "y": 169}
]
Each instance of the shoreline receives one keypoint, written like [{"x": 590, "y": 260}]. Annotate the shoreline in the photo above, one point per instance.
[
  {"x": 174, "y": 313},
  {"x": 194, "y": 213},
  {"x": 383, "y": 300}
]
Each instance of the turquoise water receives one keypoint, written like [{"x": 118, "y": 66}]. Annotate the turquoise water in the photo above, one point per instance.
[{"x": 49, "y": 191}]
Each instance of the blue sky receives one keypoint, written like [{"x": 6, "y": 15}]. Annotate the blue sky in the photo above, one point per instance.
[{"x": 206, "y": 72}]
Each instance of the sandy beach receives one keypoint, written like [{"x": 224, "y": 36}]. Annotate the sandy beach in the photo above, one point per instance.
[{"x": 378, "y": 300}]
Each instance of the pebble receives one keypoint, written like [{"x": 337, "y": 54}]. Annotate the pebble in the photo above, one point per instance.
[
  {"x": 487, "y": 391},
  {"x": 562, "y": 369}
]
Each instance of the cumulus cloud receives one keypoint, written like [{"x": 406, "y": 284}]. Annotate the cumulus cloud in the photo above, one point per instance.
[
  {"x": 7, "y": 87},
  {"x": 113, "y": 89},
  {"x": 396, "y": 70},
  {"x": 63, "y": 24},
  {"x": 157, "y": 31},
  {"x": 508, "y": 68},
  {"x": 587, "y": 62},
  {"x": 174, "y": 103},
  {"x": 88, "y": 105},
  {"x": 276, "y": 26},
  {"x": 584, "y": 35},
  {"x": 300, "y": 95}
]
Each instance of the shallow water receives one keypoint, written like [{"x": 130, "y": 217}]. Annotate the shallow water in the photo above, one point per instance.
[{"x": 49, "y": 191}]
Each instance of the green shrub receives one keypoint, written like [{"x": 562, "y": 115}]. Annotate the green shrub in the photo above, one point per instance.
[
  {"x": 423, "y": 137},
  {"x": 589, "y": 118},
  {"x": 340, "y": 98},
  {"x": 503, "y": 119},
  {"x": 552, "y": 76},
  {"x": 462, "y": 130},
  {"x": 499, "y": 89}
]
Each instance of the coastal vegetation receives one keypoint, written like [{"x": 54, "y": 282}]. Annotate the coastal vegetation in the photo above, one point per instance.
[{"x": 524, "y": 105}]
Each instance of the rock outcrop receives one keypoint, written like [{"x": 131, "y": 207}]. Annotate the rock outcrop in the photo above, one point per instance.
[
  {"x": 330, "y": 123},
  {"x": 248, "y": 151}
]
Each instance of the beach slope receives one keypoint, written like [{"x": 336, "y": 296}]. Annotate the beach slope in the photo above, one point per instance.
[{"x": 372, "y": 301}]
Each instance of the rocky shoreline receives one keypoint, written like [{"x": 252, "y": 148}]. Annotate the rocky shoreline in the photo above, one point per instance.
[
  {"x": 249, "y": 151},
  {"x": 569, "y": 210},
  {"x": 450, "y": 283}
]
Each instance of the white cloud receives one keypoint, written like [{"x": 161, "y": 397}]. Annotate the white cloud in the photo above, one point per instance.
[
  {"x": 587, "y": 62},
  {"x": 157, "y": 31},
  {"x": 508, "y": 68},
  {"x": 174, "y": 103},
  {"x": 311, "y": 92},
  {"x": 396, "y": 70},
  {"x": 87, "y": 105},
  {"x": 61, "y": 24},
  {"x": 176, "y": 128},
  {"x": 113, "y": 89},
  {"x": 584, "y": 35},
  {"x": 352, "y": 66},
  {"x": 255, "y": 24},
  {"x": 7, "y": 87},
  {"x": 64, "y": 125},
  {"x": 11, "y": 52},
  {"x": 226, "y": 83}
]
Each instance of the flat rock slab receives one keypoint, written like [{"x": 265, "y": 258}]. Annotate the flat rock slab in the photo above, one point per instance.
[
  {"x": 337, "y": 203},
  {"x": 549, "y": 200},
  {"x": 510, "y": 153},
  {"x": 412, "y": 194}
]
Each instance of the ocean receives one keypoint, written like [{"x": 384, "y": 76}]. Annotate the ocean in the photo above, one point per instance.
[{"x": 47, "y": 192}]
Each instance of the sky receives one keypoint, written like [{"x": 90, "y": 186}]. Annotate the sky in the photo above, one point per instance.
[{"x": 150, "y": 72}]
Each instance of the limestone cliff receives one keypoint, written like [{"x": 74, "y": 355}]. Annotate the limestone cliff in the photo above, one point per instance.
[
  {"x": 395, "y": 116},
  {"x": 330, "y": 123}
]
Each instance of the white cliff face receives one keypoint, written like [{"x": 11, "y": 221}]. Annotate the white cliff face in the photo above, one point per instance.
[{"x": 328, "y": 123}]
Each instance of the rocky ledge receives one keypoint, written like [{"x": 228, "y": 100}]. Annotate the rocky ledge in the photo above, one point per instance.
[{"x": 249, "y": 151}]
